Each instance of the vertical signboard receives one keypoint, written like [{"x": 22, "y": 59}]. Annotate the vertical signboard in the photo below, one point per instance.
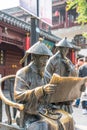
[
  {"x": 44, "y": 7},
  {"x": 30, "y": 6},
  {"x": 45, "y": 11}
]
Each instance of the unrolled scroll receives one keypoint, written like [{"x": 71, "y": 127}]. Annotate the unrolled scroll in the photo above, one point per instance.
[{"x": 67, "y": 88}]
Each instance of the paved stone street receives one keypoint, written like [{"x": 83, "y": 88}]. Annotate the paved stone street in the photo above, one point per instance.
[{"x": 80, "y": 119}]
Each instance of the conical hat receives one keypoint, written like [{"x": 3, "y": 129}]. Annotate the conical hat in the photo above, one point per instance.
[
  {"x": 64, "y": 43},
  {"x": 39, "y": 48}
]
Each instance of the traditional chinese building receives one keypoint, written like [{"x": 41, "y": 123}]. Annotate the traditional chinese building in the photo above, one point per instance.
[
  {"x": 14, "y": 40},
  {"x": 64, "y": 24}
]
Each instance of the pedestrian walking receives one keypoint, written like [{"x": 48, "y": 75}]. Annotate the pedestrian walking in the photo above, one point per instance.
[
  {"x": 83, "y": 73},
  {"x": 80, "y": 62}
]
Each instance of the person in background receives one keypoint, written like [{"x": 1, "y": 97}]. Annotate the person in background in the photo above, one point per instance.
[
  {"x": 61, "y": 65},
  {"x": 80, "y": 62},
  {"x": 83, "y": 73}
]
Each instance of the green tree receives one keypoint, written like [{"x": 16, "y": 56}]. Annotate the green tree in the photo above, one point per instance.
[{"x": 81, "y": 9}]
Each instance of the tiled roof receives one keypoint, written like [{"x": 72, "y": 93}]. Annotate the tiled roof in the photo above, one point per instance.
[
  {"x": 13, "y": 10},
  {"x": 23, "y": 25},
  {"x": 14, "y": 21}
]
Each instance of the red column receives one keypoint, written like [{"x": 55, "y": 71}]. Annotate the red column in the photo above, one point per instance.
[
  {"x": 27, "y": 42},
  {"x": 73, "y": 57}
]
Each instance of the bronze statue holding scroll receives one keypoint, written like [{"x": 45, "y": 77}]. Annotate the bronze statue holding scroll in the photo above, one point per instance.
[{"x": 61, "y": 65}]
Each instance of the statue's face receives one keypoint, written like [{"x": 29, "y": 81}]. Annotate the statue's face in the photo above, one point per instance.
[
  {"x": 64, "y": 51},
  {"x": 40, "y": 60}
]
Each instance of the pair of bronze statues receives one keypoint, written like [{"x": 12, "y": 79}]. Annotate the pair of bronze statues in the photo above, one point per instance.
[
  {"x": 38, "y": 87},
  {"x": 32, "y": 88}
]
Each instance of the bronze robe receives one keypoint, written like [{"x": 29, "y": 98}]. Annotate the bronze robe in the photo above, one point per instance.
[
  {"x": 56, "y": 64},
  {"x": 27, "y": 88}
]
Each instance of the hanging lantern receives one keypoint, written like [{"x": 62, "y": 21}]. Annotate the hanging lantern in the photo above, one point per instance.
[
  {"x": 57, "y": 13},
  {"x": 27, "y": 42}
]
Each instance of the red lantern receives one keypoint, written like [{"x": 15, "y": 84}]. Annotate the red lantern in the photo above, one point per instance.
[
  {"x": 57, "y": 13},
  {"x": 27, "y": 42}
]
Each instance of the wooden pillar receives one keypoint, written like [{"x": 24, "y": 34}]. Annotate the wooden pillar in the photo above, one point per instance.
[{"x": 66, "y": 18}]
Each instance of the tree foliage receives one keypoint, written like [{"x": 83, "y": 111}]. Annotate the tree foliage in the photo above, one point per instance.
[{"x": 81, "y": 9}]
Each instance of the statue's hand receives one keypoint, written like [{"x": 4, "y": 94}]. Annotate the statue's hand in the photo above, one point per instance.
[{"x": 49, "y": 88}]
